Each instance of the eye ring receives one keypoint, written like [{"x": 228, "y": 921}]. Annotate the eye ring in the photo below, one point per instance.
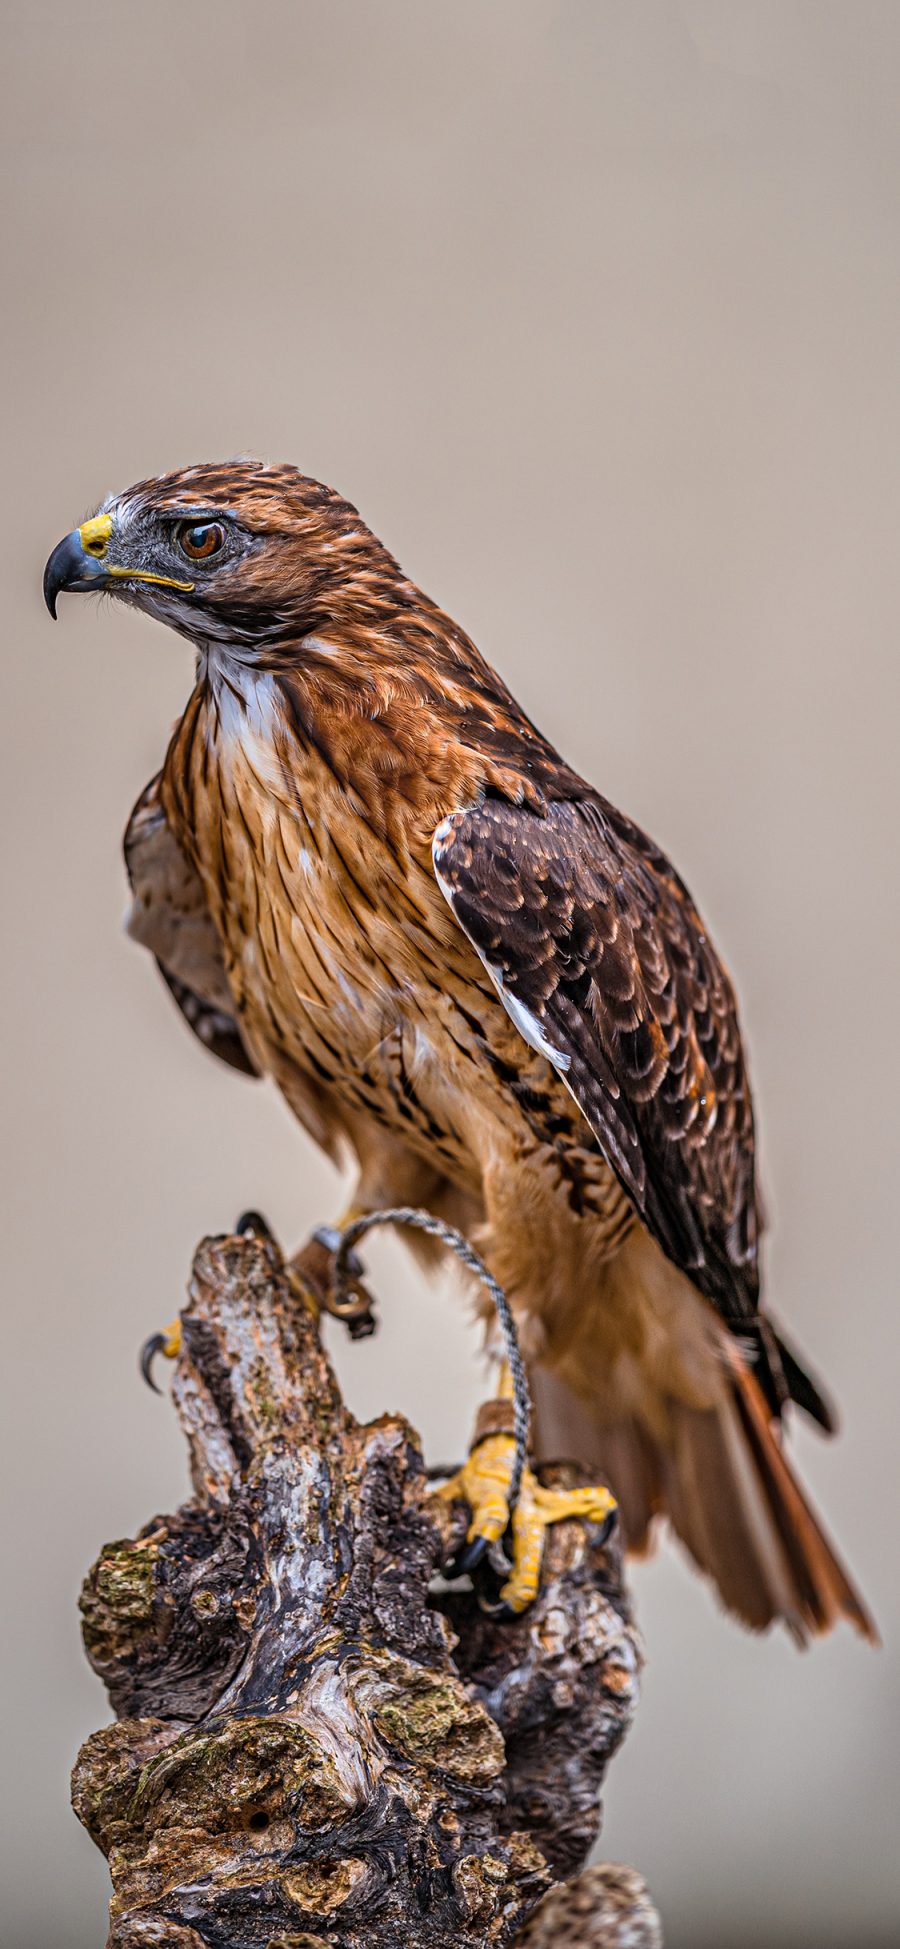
[{"x": 200, "y": 541}]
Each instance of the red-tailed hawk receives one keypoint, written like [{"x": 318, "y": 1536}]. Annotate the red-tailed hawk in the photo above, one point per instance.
[{"x": 365, "y": 873}]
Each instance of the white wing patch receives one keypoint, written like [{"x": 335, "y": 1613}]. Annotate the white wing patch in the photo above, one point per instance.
[
  {"x": 527, "y": 1023},
  {"x": 524, "y": 1019}
]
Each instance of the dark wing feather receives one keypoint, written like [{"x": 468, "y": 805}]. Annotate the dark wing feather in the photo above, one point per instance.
[
  {"x": 169, "y": 915},
  {"x": 598, "y": 952}
]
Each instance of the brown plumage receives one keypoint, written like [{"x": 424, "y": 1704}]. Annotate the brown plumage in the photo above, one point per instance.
[{"x": 364, "y": 872}]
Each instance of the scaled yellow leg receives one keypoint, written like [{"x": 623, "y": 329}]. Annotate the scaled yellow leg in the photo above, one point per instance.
[
  {"x": 535, "y": 1510},
  {"x": 483, "y": 1482}
]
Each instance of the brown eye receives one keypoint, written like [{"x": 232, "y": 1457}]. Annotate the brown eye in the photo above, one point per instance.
[{"x": 201, "y": 540}]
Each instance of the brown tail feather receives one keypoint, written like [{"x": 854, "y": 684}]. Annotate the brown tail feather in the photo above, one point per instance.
[
  {"x": 725, "y": 1484},
  {"x": 820, "y": 1590}
]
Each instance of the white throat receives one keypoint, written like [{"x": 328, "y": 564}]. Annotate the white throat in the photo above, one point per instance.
[{"x": 243, "y": 717}]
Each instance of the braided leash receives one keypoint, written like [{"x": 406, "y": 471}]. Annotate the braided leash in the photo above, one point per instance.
[{"x": 422, "y": 1221}]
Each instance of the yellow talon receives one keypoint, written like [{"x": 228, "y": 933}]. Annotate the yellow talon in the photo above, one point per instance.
[
  {"x": 171, "y": 1340},
  {"x": 483, "y": 1482}
]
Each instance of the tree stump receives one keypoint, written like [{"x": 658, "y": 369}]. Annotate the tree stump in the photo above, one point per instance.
[{"x": 314, "y": 1744}]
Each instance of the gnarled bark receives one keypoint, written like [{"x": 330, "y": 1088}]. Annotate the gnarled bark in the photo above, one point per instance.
[{"x": 313, "y": 1746}]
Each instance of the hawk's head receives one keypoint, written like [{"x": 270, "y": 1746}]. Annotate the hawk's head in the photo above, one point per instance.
[{"x": 241, "y": 553}]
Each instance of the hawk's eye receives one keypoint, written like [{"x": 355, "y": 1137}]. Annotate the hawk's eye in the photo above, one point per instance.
[{"x": 200, "y": 540}]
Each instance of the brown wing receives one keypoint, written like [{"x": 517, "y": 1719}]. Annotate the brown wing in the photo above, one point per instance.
[
  {"x": 169, "y": 915},
  {"x": 601, "y": 959}
]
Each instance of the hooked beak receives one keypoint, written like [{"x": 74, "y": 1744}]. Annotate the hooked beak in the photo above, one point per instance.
[{"x": 79, "y": 562}]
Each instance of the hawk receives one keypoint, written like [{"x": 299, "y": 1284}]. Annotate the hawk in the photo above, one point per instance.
[{"x": 366, "y": 874}]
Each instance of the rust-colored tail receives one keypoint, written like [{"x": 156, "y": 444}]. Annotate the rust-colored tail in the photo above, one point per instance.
[
  {"x": 722, "y": 1478},
  {"x": 788, "y": 1569}
]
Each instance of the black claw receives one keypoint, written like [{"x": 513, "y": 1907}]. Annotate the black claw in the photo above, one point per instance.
[
  {"x": 608, "y": 1525},
  {"x": 155, "y": 1345},
  {"x": 253, "y": 1224},
  {"x": 501, "y": 1613},
  {"x": 470, "y": 1556}
]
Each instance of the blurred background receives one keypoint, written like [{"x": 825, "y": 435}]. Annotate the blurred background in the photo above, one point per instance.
[{"x": 593, "y": 310}]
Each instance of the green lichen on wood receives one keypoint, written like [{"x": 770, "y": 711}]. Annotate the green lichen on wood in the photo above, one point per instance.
[
  {"x": 304, "y": 1941},
  {"x": 219, "y": 1778},
  {"x": 263, "y": 1396},
  {"x": 431, "y": 1719},
  {"x": 122, "y": 1608},
  {"x": 109, "y": 1767}
]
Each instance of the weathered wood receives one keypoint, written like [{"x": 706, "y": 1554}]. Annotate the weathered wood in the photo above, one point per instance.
[{"x": 314, "y": 1746}]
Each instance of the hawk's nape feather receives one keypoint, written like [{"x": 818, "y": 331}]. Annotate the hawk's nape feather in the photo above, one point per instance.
[
  {"x": 583, "y": 924},
  {"x": 169, "y": 915}
]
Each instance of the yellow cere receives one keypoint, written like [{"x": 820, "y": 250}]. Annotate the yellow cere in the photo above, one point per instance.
[{"x": 95, "y": 536}]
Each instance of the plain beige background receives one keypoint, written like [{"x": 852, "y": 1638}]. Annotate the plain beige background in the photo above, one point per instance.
[{"x": 593, "y": 308}]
